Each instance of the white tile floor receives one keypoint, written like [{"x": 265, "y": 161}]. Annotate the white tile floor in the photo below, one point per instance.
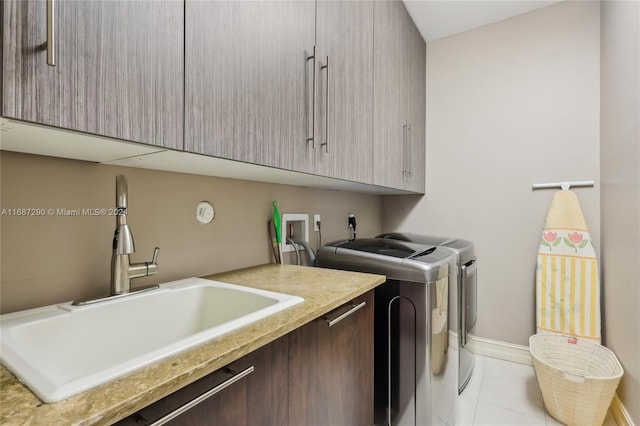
[{"x": 504, "y": 393}]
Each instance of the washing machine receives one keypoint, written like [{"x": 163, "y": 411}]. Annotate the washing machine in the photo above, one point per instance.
[
  {"x": 415, "y": 375},
  {"x": 463, "y": 315}
]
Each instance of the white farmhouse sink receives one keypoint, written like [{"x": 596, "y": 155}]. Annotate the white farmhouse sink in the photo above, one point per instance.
[{"x": 61, "y": 350}]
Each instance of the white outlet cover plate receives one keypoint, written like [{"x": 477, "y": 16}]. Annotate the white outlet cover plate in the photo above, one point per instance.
[{"x": 293, "y": 217}]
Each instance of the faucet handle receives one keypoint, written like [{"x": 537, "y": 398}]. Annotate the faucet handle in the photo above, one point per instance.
[{"x": 150, "y": 268}]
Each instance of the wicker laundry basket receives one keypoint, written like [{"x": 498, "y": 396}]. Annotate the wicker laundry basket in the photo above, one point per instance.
[{"x": 578, "y": 378}]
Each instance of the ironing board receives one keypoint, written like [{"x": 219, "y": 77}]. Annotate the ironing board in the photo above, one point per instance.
[{"x": 567, "y": 280}]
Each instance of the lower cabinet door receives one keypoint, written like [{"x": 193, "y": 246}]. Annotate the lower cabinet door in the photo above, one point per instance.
[
  {"x": 318, "y": 375},
  {"x": 331, "y": 368},
  {"x": 250, "y": 391}
]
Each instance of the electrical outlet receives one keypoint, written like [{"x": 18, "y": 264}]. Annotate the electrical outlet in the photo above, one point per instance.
[
  {"x": 316, "y": 219},
  {"x": 351, "y": 218}
]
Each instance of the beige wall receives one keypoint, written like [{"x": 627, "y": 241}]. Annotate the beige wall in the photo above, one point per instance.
[
  {"x": 51, "y": 259},
  {"x": 508, "y": 105},
  {"x": 620, "y": 174}
]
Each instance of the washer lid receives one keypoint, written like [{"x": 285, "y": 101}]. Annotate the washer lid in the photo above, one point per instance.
[
  {"x": 463, "y": 248},
  {"x": 397, "y": 260},
  {"x": 417, "y": 238},
  {"x": 385, "y": 247}
]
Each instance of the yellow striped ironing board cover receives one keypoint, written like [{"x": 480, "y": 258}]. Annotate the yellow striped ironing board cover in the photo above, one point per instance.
[{"x": 567, "y": 279}]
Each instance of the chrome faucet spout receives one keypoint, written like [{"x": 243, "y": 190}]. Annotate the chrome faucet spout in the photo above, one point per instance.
[
  {"x": 121, "y": 193},
  {"x": 122, "y": 270},
  {"x": 122, "y": 238}
]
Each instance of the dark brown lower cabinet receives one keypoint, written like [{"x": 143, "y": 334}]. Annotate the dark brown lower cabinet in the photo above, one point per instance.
[
  {"x": 318, "y": 375},
  {"x": 256, "y": 394},
  {"x": 331, "y": 368}
]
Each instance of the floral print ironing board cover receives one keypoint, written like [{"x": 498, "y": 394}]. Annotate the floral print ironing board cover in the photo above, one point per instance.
[{"x": 567, "y": 279}]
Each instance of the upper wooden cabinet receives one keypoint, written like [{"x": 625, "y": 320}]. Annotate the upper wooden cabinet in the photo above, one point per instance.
[
  {"x": 118, "y": 67},
  {"x": 328, "y": 88},
  {"x": 344, "y": 90},
  {"x": 399, "y": 99},
  {"x": 248, "y": 81},
  {"x": 417, "y": 56},
  {"x": 285, "y": 84}
]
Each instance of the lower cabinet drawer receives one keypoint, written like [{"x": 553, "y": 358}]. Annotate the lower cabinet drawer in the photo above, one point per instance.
[{"x": 250, "y": 391}]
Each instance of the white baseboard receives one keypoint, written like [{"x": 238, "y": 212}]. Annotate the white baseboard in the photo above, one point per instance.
[
  {"x": 453, "y": 340},
  {"x": 501, "y": 350},
  {"x": 520, "y": 354},
  {"x": 620, "y": 414}
]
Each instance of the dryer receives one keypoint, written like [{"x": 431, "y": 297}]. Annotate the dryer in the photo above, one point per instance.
[{"x": 463, "y": 300}]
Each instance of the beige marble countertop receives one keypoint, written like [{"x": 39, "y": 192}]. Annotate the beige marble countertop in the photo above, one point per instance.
[{"x": 322, "y": 289}]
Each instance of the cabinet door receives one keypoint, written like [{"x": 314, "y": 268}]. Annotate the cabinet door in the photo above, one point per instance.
[
  {"x": 399, "y": 99},
  {"x": 331, "y": 369},
  {"x": 259, "y": 398},
  {"x": 118, "y": 72},
  {"x": 390, "y": 121},
  {"x": 416, "y": 109},
  {"x": 248, "y": 81},
  {"x": 344, "y": 79}
]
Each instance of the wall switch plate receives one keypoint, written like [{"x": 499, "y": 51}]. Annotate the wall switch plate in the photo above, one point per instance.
[{"x": 316, "y": 219}]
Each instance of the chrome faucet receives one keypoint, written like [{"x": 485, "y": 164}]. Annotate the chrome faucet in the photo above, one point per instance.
[{"x": 122, "y": 270}]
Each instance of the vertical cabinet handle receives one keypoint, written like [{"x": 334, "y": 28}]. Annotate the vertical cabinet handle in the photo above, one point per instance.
[
  {"x": 326, "y": 110},
  {"x": 313, "y": 100},
  {"x": 51, "y": 33},
  {"x": 354, "y": 308},
  {"x": 410, "y": 137},
  {"x": 404, "y": 149}
]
